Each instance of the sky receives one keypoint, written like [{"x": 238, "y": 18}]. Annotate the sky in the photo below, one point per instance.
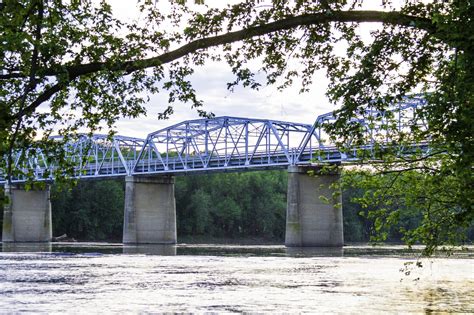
[{"x": 210, "y": 82}]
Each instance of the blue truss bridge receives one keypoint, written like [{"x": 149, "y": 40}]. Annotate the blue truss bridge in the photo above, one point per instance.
[{"x": 224, "y": 144}]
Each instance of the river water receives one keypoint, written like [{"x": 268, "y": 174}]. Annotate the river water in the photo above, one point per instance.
[{"x": 111, "y": 278}]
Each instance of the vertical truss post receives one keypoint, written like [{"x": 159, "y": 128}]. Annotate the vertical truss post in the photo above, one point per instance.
[
  {"x": 247, "y": 142},
  {"x": 206, "y": 144},
  {"x": 167, "y": 146},
  {"x": 267, "y": 136},
  {"x": 226, "y": 126}
]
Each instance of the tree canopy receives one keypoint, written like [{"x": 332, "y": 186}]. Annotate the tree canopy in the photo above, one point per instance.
[{"x": 67, "y": 65}]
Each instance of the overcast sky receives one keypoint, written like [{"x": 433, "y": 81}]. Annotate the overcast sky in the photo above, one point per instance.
[{"x": 210, "y": 84}]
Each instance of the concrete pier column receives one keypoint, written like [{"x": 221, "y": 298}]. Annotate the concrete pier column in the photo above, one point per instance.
[
  {"x": 27, "y": 215},
  {"x": 150, "y": 210},
  {"x": 314, "y": 209}
]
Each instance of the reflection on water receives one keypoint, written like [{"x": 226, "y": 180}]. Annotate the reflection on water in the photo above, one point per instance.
[
  {"x": 314, "y": 251},
  {"x": 162, "y": 250},
  {"x": 227, "y": 250},
  {"x": 113, "y": 278},
  {"x": 27, "y": 247}
]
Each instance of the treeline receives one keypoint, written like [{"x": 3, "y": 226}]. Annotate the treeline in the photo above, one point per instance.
[
  {"x": 233, "y": 205},
  {"x": 92, "y": 210},
  {"x": 226, "y": 205}
]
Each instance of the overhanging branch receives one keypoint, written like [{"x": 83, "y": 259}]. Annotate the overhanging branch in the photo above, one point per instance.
[{"x": 393, "y": 18}]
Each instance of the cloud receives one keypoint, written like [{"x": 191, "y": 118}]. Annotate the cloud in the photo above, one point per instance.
[{"x": 210, "y": 82}]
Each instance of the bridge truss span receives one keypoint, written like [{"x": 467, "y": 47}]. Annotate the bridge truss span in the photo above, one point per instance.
[
  {"x": 85, "y": 156},
  {"x": 227, "y": 143},
  {"x": 102, "y": 156},
  {"x": 393, "y": 128},
  {"x": 221, "y": 143}
]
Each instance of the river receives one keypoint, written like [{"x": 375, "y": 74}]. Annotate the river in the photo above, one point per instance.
[{"x": 111, "y": 278}]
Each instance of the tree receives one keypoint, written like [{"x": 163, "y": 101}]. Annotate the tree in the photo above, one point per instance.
[
  {"x": 73, "y": 62},
  {"x": 89, "y": 211},
  {"x": 250, "y": 204}
]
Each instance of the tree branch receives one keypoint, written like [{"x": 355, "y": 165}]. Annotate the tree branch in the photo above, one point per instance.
[
  {"x": 393, "y": 18},
  {"x": 12, "y": 75},
  {"x": 43, "y": 97}
]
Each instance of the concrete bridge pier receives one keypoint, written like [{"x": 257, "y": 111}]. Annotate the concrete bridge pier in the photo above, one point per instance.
[
  {"x": 27, "y": 215},
  {"x": 314, "y": 209},
  {"x": 150, "y": 210}
]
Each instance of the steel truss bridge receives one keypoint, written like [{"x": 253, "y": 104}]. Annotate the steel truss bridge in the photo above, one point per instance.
[{"x": 222, "y": 144}]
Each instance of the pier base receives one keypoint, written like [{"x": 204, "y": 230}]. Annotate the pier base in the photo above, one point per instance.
[
  {"x": 27, "y": 215},
  {"x": 150, "y": 210},
  {"x": 314, "y": 209}
]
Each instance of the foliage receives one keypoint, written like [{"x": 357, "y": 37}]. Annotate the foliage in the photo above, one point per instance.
[
  {"x": 222, "y": 205},
  {"x": 412, "y": 205},
  {"x": 232, "y": 205},
  {"x": 75, "y": 56},
  {"x": 91, "y": 69},
  {"x": 89, "y": 211},
  {"x": 357, "y": 228},
  {"x": 253, "y": 204},
  {"x": 2, "y": 201}
]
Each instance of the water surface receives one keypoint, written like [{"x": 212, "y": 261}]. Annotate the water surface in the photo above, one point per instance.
[{"x": 111, "y": 278}]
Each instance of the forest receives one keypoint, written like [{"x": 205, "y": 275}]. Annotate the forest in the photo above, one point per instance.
[{"x": 224, "y": 207}]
